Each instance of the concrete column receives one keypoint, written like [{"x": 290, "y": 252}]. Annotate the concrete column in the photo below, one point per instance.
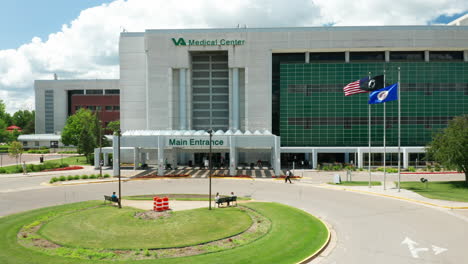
[
  {"x": 235, "y": 99},
  {"x": 232, "y": 156},
  {"x": 360, "y": 158},
  {"x": 136, "y": 160},
  {"x": 277, "y": 163},
  {"x": 346, "y": 157},
  {"x": 346, "y": 55},
  {"x": 405, "y": 158},
  {"x": 307, "y": 157},
  {"x": 161, "y": 155},
  {"x": 307, "y": 57},
  {"x": 96, "y": 158},
  {"x": 387, "y": 56},
  {"x": 115, "y": 154},
  {"x": 314, "y": 159},
  {"x": 465, "y": 55},
  {"x": 426, "y": 55},
  {"x": 182, "y": 100},
  {"x": 106, "y": 159},
  {"x": 142, "y": 157}
]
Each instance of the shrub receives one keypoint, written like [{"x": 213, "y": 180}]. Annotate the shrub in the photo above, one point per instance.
[
  {"x": 361, "y": 169},
  {"x": 84, "y": 177},
  {"x": 336, "y": 167},
  {"x": 62, "y": 178},
  {"x": 106, "y": 175},
  {"x": 2, "y": 170},
  {"x": 76, "y": 177},
  {"x": 411, "y": 169},
  {"x": 429, "y": 168},
  {"x": 54, "y": 179},
  {"x": 147, "y": 253},
  {"x": 18, "y": 169},
  {"x": 392, "y": 170},
  {"x": 437, "y": 167},
  {"x": 70, "y": 178},
  {"x": 92, "y": 176}
]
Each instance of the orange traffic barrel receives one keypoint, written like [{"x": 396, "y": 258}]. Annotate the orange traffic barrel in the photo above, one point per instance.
[
  {"x": 165, "y": 203},
  {"x": 159, "y": 205}
]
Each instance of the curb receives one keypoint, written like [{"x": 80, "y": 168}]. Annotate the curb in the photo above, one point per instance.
[
  {"x": 394, "y": 197},
  {"x": 321, "y": 249}
]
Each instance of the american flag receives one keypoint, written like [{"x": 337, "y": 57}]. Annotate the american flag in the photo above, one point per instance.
[{"x": 353, "y": 88}]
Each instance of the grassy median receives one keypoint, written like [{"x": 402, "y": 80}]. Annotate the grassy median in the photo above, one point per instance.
[{"x": 448, "y": 190}]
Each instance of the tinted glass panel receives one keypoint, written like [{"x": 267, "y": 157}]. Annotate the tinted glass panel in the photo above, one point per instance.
[
  {"x": 446, "y": 55},
  {"x": 367, "y": 56},
  {"x": 326, "y": 56},
  {"x": 407, "y": 56}
]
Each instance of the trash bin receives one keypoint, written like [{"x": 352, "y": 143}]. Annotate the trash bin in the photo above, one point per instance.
[
  {"x": 41, "y": 159},
  {"x": 190, "y": 163}
]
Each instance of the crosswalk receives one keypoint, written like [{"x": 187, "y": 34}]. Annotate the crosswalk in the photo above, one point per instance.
[{"x": 196, "y": 172}]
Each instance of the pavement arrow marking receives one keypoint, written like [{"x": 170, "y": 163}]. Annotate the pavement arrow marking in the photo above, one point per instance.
[
  {"x": 438, "y": 250},
  {"x": 412, "y": 247}
]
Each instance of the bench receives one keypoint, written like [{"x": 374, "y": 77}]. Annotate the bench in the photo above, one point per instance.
[
  {"x": 110, "y": 199},
  {"x": 227, "y": 200}
]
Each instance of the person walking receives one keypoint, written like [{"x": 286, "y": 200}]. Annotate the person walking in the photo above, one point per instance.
[
  {"x": 25, "y": 170},
  {"x": 288, "y": 176}
]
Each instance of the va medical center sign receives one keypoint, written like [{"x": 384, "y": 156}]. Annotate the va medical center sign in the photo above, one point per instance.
[
  {"x": 197, "y": 142},
  {"x": 207, "y": 42}
]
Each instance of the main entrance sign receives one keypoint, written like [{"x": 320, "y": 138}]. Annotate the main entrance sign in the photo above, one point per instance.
[
  {"x": 207, "y": 42},
  {"x": 196, "y": 142}
]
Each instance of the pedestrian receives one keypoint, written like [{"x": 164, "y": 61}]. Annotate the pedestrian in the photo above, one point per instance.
[
  {"x": 288, "y": 176},
  {"x": 114, "y": 198},
  {"x": 25, "y": 170}
]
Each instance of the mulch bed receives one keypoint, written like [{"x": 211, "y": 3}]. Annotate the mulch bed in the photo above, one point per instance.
[
  {"x": 154, "y": 176},
  {"x": 230, "y": 176},
  {"x": 283, "y": 176}
]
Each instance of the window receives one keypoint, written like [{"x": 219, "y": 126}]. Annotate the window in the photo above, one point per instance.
[
  {"x": 367, "y": 56},
  {"x": 446, "y": 56},
  {"x": 108, "y": 108},
  {"x": 77, "y": 107},
  {"x": 407, "y": 56},
  {"x": 112, "y": 91},
  {"x": 91, "y": 107},
  {"x": 54, "y": 144},
  {"x": 36, "y": 143},
  {"x": 25, "y": 143},
  {"x": 326, "y": 56},
  {"x": 116, "y": 107},
  {"x": 99, "y": 108},
  {"x": 93, "y": 91}
]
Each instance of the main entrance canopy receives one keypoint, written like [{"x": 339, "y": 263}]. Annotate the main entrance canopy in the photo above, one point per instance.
[{"x": 176, "y": 145}]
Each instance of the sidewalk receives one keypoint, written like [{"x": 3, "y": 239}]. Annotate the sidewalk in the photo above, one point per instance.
[{"x": 391, "y": 191}]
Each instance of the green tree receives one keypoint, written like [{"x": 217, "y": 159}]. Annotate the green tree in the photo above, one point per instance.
[
  {"x": 15, "y": 150},
  {"x": 450, "y": 146},
  {"x": 81, "y": 130},
  {"x": 113, "y": 126},
  {"x": 23, "y": 119},
  {"x": 6, "y": 117}
]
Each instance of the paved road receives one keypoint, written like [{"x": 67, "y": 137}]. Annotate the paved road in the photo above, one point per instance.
[{"x": 369, "y": 229}]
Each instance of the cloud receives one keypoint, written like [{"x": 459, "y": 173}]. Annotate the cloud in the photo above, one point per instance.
[{"x": 87, "y": 47}]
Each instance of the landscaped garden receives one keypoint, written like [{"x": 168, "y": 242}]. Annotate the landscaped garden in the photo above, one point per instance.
[{"x": 90, "y": 232}]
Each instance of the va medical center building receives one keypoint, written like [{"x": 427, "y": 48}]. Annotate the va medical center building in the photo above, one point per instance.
[{"x": 276, "y": 94}]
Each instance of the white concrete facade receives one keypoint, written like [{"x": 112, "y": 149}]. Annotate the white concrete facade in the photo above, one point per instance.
[{"x": 59, "y": 89}]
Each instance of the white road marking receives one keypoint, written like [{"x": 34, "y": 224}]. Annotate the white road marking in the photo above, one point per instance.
[
  {"x": 437, "y": 250},
  {"x": 412, "y": 247}
]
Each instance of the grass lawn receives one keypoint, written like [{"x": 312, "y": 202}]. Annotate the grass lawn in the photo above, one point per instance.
[
  {"x": 73, "y": 160},
  {"x": 110, "y": 227},
  {"x": 449, "y": 190},
  {"x": 357, "y": 183},
  {"x": 178, "y": 197},
  {"x": 293, "y": 236}
]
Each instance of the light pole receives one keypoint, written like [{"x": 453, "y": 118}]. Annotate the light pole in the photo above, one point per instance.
[
  {"x": 210, "y": 131},
  {"x": 100, "y": 149},
  {"x": 118, "y": 158}
]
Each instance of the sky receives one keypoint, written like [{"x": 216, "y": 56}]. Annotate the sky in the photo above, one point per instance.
[{"x": 78, "y": 39}]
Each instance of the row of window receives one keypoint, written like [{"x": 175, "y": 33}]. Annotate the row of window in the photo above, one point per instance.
[
  {"x": 94, "y": 91},
  {"x": 98, "y": 107},
  {"x": 380, "y": 56}
]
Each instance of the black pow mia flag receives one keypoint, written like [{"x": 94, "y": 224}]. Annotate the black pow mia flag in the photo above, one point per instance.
[{"x": 372, "y": 84}]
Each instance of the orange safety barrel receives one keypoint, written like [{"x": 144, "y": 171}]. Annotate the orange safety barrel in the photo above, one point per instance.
[
  {"x": 165, "y": 203},
  {"x": 159, "y": 205},
  {"x": 155, "y": 198}
]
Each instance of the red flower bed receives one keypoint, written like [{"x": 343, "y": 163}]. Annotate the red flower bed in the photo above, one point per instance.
[{"x": 66, "y": 168}]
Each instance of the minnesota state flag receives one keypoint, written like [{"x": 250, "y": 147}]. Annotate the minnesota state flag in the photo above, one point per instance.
[{"x": 386, "y": 94}]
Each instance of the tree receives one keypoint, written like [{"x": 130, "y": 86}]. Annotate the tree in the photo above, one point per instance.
[
  {"x": 113, "y": 126},
  {"x": 15, "y": 150},
  {"x": 6, "y": 117},
  {"x": 81, "y": 131},
  {"x": 450, "y": 147},
  {"x": 24, "y": 119}
]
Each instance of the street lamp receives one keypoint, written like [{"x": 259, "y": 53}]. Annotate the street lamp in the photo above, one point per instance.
[
  {"x": 100, "y": 149},
  {"x": 210, "y": 131},
  {"x": 119, "y": 134}
]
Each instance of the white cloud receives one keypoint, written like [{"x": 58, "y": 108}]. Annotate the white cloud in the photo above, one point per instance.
[{"x": 87, "y": 47}]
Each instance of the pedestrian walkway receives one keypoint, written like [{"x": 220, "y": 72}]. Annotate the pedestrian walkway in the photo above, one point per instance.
[{"x": 196, "y": 172}]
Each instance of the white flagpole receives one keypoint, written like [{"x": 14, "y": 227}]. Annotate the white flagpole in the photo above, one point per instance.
[
  {"x": 384, "y": 138},
  {"x": 369, "y": 113},
  {"x": 399, "y": 129}
]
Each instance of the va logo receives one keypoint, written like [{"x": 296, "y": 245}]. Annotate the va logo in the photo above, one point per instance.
[{"x": 179, "y": 42}]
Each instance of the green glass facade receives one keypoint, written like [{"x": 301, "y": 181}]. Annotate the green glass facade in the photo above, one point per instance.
[{"x": 315, "y": 112}]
